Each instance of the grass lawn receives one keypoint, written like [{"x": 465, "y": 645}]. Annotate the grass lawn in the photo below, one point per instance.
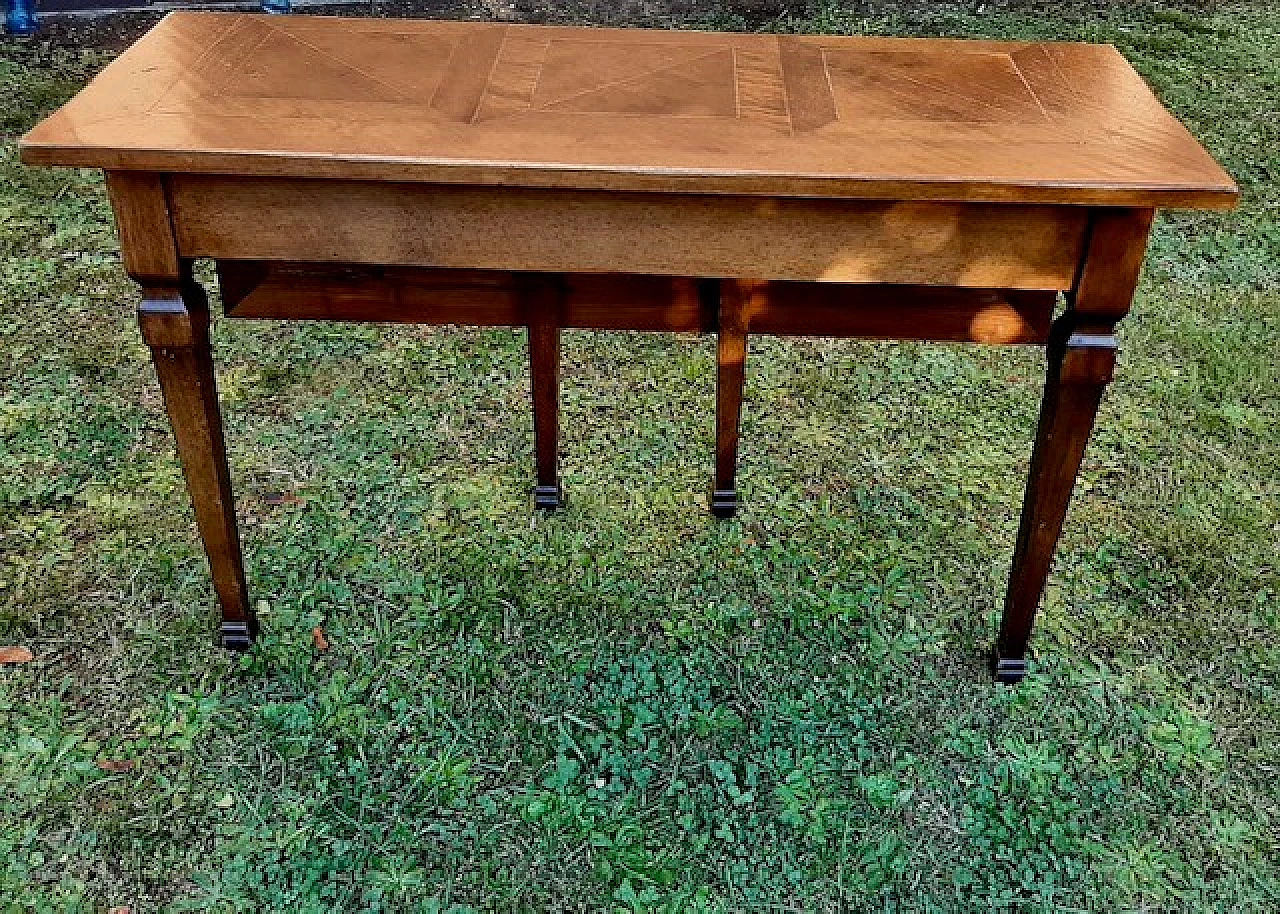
[{"x": 630, "y": 706}]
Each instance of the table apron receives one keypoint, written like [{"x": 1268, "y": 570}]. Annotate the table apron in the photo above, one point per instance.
[{"x": 975, "y": 245}]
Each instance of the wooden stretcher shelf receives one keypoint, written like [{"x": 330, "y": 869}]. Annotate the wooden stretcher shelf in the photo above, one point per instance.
[{"x": 604, "y": 301}]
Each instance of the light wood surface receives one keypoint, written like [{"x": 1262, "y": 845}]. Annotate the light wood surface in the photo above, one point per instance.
[
  {"x": 515, "y": 105},
  {"x": 1013, "y": 246},
  {"x": 141, "y": 210}
]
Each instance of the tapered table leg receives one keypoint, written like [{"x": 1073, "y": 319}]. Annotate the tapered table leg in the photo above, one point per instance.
[
  {"x": 1082, "y": 358},
  {"x": 1080, "y": 366},
  {"x": 175, "y": 325},
  {"x": 542, "y": 303},
  {"x": 737, "y": 298}
]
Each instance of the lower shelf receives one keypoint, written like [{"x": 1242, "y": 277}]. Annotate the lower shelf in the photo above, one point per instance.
[{"x": 611, "y": 301}]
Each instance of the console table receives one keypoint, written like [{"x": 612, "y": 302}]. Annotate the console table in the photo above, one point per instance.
[{"x": 550, "y": 178}]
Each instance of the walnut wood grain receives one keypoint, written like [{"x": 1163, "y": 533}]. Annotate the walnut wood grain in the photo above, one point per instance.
[
  {"x": 980, "y": 245},
  {"x": 515, "y": 105},
  {"x": 484, "y": 298},
  {"x": 1080, "y": 366},
  {"x": 174, "y": 319},
  {"x": 739, "y": 299},
  {"x": 890, "y": 312},
  {"x": 175, "y": 325},
  {"x": 142, "y": 221},
  {"x": 1082, "y": 357},
  {"x": 1112, "y": 263},
  {"x": 282, "y": 291},
  {"x": 540, "y": 298}
]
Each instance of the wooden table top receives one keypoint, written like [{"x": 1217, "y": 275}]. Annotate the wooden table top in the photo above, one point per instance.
[{"x": 491, "y": 103}]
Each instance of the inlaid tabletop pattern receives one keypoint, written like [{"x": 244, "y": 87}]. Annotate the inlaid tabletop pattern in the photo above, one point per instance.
[{"x": 633, "y": 110}]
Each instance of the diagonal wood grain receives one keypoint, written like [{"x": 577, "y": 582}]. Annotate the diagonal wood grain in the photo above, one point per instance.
[{"x": 490, "y": 103}]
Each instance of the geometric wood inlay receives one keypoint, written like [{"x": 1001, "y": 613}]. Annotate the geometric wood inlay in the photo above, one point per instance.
[{"x": 484, "y": 102}]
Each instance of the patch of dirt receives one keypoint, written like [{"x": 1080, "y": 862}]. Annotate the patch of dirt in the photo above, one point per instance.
[
  {"x": 108, "y": 32},
  {"x": 116, "y": 31}
]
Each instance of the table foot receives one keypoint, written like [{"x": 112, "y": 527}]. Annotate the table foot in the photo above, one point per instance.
[
  {"x": 1008, "y": 670},
  {"x": 548, "y": 498},
  {"x": 238, "y": 636},
  {"x": 724, "y": 502}
]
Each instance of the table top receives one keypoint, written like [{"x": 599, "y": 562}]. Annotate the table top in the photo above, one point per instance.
[{"x": 635, "y": 110}]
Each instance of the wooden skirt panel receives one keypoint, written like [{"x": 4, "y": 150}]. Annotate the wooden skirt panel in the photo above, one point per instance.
[
  {"x": 1009, "y": 246},
  {"x": 607, "y": 301}
]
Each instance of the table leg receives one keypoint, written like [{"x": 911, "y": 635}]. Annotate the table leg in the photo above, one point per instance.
[
  {"x": 736, "y": 300},
  {"x": 1080, "y": 366},
  {"x": 175, "y": 325},
  {"x": 542, "y": 300},
  {"x": 1082, "y": 358}
]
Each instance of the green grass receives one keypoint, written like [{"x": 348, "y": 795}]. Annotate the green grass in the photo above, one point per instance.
[{"x": 630, "y": 706}]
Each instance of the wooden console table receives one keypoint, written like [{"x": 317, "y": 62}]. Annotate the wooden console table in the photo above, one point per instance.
[{"x": 550, "y": 178}]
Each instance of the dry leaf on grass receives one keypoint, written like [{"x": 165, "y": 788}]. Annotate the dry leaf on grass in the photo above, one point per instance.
[
  {"x": 16, "y": 655},
  {"x": 318, "y": 639},
  {"x": 116, "y": 765}
]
